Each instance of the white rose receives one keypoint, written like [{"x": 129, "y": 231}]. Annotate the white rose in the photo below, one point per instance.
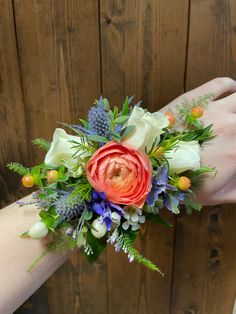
[
  {"x": 148, "y": 127},
  {"x": 186, "y": 156},
  {"x": 62, "y": 150}
]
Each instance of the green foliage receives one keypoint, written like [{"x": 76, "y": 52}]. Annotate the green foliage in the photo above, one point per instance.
[
  {"x": 186, "y": 107},
  {"x": 125, "y": 108},
  {"x": 59, "y": 244},
  {"x": 18, "y": 168},
  {"x": 191, "y": 204},
  {"x": 82, "y": 191},
  {"x": 42, "y": 143},
  {"x": 97, "y": 246},
  {"x": 97, "y": 138},
  {"x": 50, "y": 218},
  {"x": 197, "y": 176},
  {"x": 128, "y": 239},
  {"x": 202, "y": 135}
]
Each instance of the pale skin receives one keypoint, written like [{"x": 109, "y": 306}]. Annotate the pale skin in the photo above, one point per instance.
[{"x": 16, "y": 285}]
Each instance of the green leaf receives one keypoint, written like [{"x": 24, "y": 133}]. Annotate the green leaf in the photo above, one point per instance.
[
  {"x": 116, "y": 136},
  {"x": 127, "y": 131},
  {"x": 18, "y": 168},
  {"x": 157, "y": 218},
  {"x": 42, "y": 143},
  {"x": 24, "y": 235},
  {"x": 96, "y": 245},
  {"x": 106, "y": 104},
  {"x": 125, "y": 108},
  {"x": 85, "y": 123},
  {"x": 121, "y": 119},
  {"x": 80, "y": 239},
  {"x": 97, "y": 138},
  {"x": 48, "y": 218},
  {"x": 88, "y": 214}
]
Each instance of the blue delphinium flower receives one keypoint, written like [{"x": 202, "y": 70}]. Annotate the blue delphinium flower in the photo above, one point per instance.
[
  {"x": 161, "y": 189},
  {"x": 104, "y": 208},
  {"x": 98, "y": 119}
]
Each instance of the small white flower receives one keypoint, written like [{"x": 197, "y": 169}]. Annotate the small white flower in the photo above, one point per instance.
[
  {"x": 115, "y": 217},
  {"x": 186, "y": 156},
  {"x": 148, "y": 127},
  {"x": 133, "y": 218}
]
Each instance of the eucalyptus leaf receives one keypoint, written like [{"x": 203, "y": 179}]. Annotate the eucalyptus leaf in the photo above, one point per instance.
[
  {"x": 125, "y": 108},
  {"x": 97, "y": 138},
  {"x": 121, "y": 119}
]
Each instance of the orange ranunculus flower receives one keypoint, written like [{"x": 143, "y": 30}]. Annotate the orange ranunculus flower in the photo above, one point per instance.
[{"x": 122, "y": 172}]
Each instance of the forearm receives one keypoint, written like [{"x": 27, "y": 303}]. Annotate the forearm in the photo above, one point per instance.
[{"x": 16, "y": 284}]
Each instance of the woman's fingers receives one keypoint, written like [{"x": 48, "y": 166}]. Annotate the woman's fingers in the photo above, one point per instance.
[
  {"x": 218, "y": 87},
  {"x": 227, "y": 103}
]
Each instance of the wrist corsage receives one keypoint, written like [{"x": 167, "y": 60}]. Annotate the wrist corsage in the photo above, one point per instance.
[{"x": 118, "y": 170}]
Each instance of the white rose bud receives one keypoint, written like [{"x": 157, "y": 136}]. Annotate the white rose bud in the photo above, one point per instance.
[
  {"x": 38, "y": 230},
  {"x": 148, "y": 127},
  {"x": 62, "y": 149},
  {"x": 98, "y": 229},
  {"x": 186, "y": 156}
]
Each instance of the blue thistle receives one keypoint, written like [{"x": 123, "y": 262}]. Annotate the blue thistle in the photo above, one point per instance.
[
  {"x": 98, "y": 119},
  {"x": 68, "y": 208}
]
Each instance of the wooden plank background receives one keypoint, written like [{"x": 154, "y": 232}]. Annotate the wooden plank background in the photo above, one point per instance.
[{"x": 56, "y": 57}]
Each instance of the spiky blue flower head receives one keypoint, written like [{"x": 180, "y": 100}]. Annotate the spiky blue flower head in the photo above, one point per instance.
[
  {"x": 67, "y": 208},
  {"x": 99, "y": 120}
]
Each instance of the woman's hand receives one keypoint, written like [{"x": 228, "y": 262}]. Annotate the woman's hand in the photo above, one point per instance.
[{"x": 221, "y": 151}]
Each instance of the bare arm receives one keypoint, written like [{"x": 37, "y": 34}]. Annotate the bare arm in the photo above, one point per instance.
[{"x": 16, "y": 284}]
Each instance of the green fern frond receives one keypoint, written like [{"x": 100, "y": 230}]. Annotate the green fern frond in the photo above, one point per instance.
[
  {"x": 127, "y": 246},
  {"x": 18, "y": 168},
  {"x": 42, "y": 143},
  {"x": 59, "y": 244},
  {"x": 133, "y": 253}
]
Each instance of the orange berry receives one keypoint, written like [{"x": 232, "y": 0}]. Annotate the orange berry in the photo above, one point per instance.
[
  {"x": 52, "y": 176},
  {"x": 197, "y": 112},
  {"x": 158, "y": 151},
  {"x": 170, "y": 117},
  {"x": 28, "y": 181},
  {"x": 184, "y": 183}
]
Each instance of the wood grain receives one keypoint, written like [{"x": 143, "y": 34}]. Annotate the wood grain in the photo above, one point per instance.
[
  {"x": 143, "y": 43},
  {"x": 60, "y": 65},
  {"x": 13, "y": 134},
  {"x": 205, "y": 258}
]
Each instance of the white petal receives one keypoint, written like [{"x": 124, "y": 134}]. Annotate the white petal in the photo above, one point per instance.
[
  {"x": 142, "y": 219},
  {"x": 125, "y": 225},
  {"x": 134, "y": 218}
]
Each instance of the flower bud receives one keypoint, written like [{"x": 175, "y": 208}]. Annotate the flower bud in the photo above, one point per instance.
[
  {"x": 98, "y": 229},
  {"x": 38, "y": 230}
]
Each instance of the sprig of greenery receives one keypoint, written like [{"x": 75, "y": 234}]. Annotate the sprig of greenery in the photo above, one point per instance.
[
  {"x": 128, "y": 240},
  {"x": 18, "y": 168},
  {"x": 60, "y": 243},
  {"x": 201, "y": 135},
  {"x": 42, "y": 143},
  {"x": 190, "y": 204}
]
